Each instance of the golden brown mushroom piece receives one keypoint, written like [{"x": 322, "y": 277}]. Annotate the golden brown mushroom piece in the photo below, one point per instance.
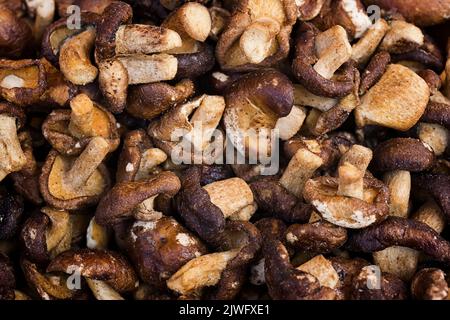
[
  {"x": 68, "y": 182},
  {"x": 69, "y": 131},
  {"x": 257, "y": 34}
]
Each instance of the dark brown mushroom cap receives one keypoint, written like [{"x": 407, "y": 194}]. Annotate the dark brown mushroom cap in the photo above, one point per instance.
[
  {"x": 71, "y": 204},
  {"x": 55, "y": 129},
  {"x": 118, "y": 203},
  {"x": 11, "y": 211},
  {"x": 108, "y": 266},
  {"x": 422, "y": 56},
  {"x": 268, "y": 89},
  {"x": 34, "y": 85},
  {"x": 374, "y": 71},
  {"x": 34, "y": 239},
  {"x": 347, "y": 269},
  {"x": 438, "y": 113},
  {"x": 302, "y": 66},
  {"x": 245, "y": 236},
  {"x": 15, "y": 33},
  {"x": 391, "y": 287},
  {"x": 431, "y": 78},
  {"x": 287, "y": 283},
  {"x": 196, "y": 209},
  {"x": 238, "y": 22},
  {"x": 429, "y": 284},
  {"x": 58, "y": 32},
  {"x": 7, "y": 279},
  {"x": 271, "y": 229},
  {"x": 395, "y": 231},
  {"x": 159, "y": 248},
  {"x": 13, "y": 111},
  {"x": 148, "y": 101},
  {"x": 348, "y": 212},
  {"x": 438, "y": 185},
  {"x": 273, "y": 198},
  {"x": 213, "y": 173},
  {"x": 403, "y": 154},
  {"x": 317, "y": 237},
  {"x": 115, "y": 15},
  {"x": 194, "y": 65},
  {"x": 134, "y": 144}
]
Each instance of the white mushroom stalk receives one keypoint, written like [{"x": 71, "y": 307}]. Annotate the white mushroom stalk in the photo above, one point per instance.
[
  {"x": 44, "y": 11},
  {"x": 12, "y": 157},
  {"x": 102, "y": 291}
]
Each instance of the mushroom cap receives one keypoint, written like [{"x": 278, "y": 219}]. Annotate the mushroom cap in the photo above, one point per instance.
[
  {"x": 194, "y": 65},
  {"x": 55, "y": 129},
  {"x": 33, "y": 238},
  {"x": 22, "y": 81},
  {"x": 244, "y": 13},
  {"x": 118, "y": 203},
  {"x": 108, "y": 266},
  {"x": 345, "y": 211},
  {"x": 11, "y": 210},
  {"x": 58, "y": 32},
  {"x": 115, "y": 15},
  {"x": 50, "y": 184},
  {"x": 159, "y": 248},
  {"x": 12, "y": 110},
  {"x": 7, "y": 279},
  {"x": 15, "y": 34}
]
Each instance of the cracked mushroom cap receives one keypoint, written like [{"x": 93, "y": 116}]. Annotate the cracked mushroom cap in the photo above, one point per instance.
[
  {"x": 11, "y": 211},
  {"x": 148, "y": 101},
  {"x": 257, "y": 34},
  {"x": 396, "y": 231},
  {"x": 58, "y": 32},
  {"x": 418, "y": 12},
  {"x": 7, "y": 279},
  {"x": 318, "y": 78},
  {"x": 22, "y": 82},
  {"x": 285, "y": 282},
  {"x": 255, "y": 102},
  {"x": 159, "y": 248},
  {"x": 108, "y": 266},
  {"x": 348, "y": 212},
  {"x": 75, "y": 182},
  {"x": 70, "y": 131},
  {"x": 118, "y": 203}
]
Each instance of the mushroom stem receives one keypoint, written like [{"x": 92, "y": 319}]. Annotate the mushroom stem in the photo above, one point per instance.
[
  {"x": 301, "y": 168},
  {"x": 257, "y": 40},
  {"x": 12, "y": 157},
  {"x": 88, "y": 161},
  {"x": 145, "y": 210},
  {"x": 45, "y": 11},
  {"x": 102, "y": 291},
  {"x": 82, "y": 114},
  {"x": 148, "y": 69},
  {"x": 150, "y": 159}
]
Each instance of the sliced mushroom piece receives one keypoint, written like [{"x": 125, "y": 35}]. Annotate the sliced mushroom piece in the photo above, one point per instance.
[
  {"x": 402, "y": 37},
  {"x": 369, "y": 42},
  {"x": 73, "y": 183},
  {"x": 102, "y": 291},
  {"x": 323, "y": 270}
]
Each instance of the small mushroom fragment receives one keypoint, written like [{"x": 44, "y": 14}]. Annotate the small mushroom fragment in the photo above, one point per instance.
[
  {"x": 288, "y": 283},
  {"x": 12, "y": 157},
  {"x": 219, "y": 20},
  {"x": 43, "y": 12},
  {"x": 402, "y": 37},
  {"x": 347, "y": 269},
  {"x": 147, "y": 101},
  {"x": 138, "y": 159},
  {"x": 429, "y": 284},
  {"x": 255, "y": 102},
  {"x": 323, "y": 270},
  {"x": 97, "y": 236},
  {"x": 15, "y": 34},
  {"x": 131, "y": 54},
  {"x": 160, "y": 247},
  {"x": 348, "y": 212},
  {"x": 434, "y": 135},
  {"x": 205, "y": 209},
  {"x": 46, "y": 234},
  {"x": 397, "y": 101},
  {"x": 93, "y": 6},
  {"x": 401, "y": 232},
  {"x": 318, "y": 56},
  {"x": 257, "y": 34},
  {"x": 308, "y": 9},
  {"x": 7, "y": 279},
  {"x": 69, "y": 132},
  {"x": 75, "y": 182},
  {"x": 106, "y": 266},
  {"x": 22, "y": 82},
  {"x": 438, "y": 186},
  {"x": 187, "y": 130},
  {"x": 368, "y": 285},
  {"x": 225, "y": 270},
  {"x": 130, "y": 199},
  {"x": 11, "y": 211}
]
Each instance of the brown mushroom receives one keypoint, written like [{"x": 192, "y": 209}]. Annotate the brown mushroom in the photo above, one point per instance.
[
  {"x": 11, "y": 211},
  {"x": 69, "y": 132},
  {"x": 43, "y": 12},
  {"x": 75, "y": 182},
  {"x": 15, "y": 34},
  {"x": 429, "y": 284},
  {"x": 257, "y": 35},
  {"x": 7, "y": 279},
  {"x": 136, "y": 198},
  {"x": 437, "y": 185}
]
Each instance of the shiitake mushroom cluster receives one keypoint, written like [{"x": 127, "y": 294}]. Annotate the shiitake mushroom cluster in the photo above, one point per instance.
[{"x": 94, "y": 203}]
